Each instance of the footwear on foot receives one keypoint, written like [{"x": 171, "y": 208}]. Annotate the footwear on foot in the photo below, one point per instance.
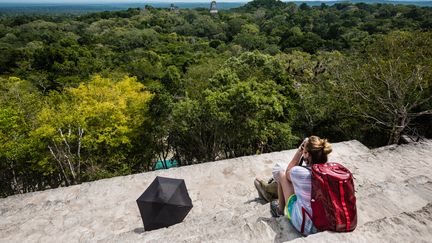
[
  {"x": 262, "y": 193},
  {"x": 274, "y": 209},
  {"x": 272, "y": 188}
]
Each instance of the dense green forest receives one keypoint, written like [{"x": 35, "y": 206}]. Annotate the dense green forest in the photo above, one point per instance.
[{"x": 109, "y": 93}]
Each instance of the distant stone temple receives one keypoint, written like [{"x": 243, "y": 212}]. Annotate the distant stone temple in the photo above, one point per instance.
[
  {"x": 174, "y": 8},
  {"x": 213, "y": 8}
]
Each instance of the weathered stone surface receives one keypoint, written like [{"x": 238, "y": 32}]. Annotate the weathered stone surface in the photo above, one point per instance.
[{"x": 394, "y": 193}]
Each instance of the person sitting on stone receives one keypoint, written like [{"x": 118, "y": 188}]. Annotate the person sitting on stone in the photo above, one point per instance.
[{"x": 295, "y": 182}]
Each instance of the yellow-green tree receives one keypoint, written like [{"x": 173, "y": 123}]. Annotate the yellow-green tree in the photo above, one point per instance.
[
  {"x": 19, "y": 104},
  {"x": 90, "y": 129}
]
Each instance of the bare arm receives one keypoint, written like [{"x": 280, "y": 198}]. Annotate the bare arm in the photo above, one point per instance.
[{"x": 295, "y": 160}]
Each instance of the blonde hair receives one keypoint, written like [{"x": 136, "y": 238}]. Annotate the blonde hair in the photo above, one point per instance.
[{"x": 319, "y": 149}]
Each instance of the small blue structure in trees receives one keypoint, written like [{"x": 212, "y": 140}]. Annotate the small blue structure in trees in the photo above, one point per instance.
[{"x": 165, "y": 164}]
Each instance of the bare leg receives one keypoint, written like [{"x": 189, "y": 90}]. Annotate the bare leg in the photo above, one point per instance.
[
  {"x": 281, "y": 197},
  {"x": 287, "y": 188}
]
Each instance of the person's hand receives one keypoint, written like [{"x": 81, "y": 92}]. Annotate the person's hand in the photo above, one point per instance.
[{"x": 301, "y": 148}]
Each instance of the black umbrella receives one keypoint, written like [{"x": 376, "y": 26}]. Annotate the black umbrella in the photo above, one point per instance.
[{"x": 164, "y": 203}]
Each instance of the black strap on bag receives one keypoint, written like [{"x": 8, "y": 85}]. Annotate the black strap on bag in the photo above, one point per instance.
[{"x": 301, "y": 161}]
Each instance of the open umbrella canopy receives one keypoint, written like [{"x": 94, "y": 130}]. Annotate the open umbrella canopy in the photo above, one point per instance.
[{"x": 164, "y": 203}]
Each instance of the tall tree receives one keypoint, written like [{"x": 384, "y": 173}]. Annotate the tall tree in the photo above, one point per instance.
[
  {"x": 391, "y": 79},
  {"x": 92, "y": 127}
]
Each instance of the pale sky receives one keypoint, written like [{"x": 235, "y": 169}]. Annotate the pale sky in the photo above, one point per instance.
[
  {"x": 110, "y": 1},
  {"x": 123, "y": 1},
  {"x": 146, "y": 1},
  {"x": 72, "y": 1}
]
